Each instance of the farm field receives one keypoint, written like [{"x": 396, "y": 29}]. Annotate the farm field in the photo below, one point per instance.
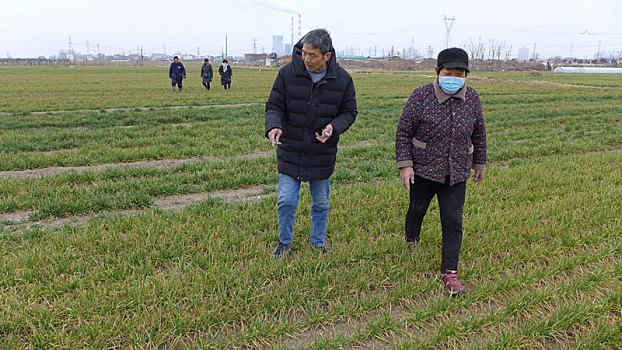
[{"x": 91, "y": 258}]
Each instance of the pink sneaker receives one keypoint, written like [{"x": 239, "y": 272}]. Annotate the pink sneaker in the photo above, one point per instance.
[{"x": 450, "y": 278}]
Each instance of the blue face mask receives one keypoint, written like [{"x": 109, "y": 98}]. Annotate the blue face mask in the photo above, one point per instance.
[{"x": 450, "y": 84}]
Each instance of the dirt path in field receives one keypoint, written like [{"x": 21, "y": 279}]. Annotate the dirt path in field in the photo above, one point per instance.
[
  {"x": 142, "y": 109},
  {"x": 19, "y": 221},
  {"x": 157, "y": 164}
]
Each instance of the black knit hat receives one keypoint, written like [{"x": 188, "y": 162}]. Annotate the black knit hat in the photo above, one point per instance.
[{"x": 453, "y": 58}]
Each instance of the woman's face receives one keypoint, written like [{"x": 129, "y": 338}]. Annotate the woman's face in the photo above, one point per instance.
[{"x": 452, "y": 72}]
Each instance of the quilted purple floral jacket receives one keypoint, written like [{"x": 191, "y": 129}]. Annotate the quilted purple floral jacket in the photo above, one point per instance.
[{"x": 440, "y": 134}]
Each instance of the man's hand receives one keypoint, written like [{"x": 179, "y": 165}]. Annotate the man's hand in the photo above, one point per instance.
[
  {"x": 478, "y": 176},
  {"x": 407, "y": 176},
  {"x": 274, "y": 135},
  {"x": 327, "y": 132}
]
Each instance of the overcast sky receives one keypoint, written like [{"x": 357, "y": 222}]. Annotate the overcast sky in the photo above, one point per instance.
[{"x": 30, "y": 28}]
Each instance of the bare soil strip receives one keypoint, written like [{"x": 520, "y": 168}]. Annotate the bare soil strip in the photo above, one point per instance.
[
  {"x": 143, "y": 109},
  {"x": 157, "y": 164},
  {"x": 20, "y": 220}
]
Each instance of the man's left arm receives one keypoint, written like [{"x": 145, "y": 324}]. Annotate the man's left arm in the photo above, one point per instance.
[{"x": 347, "y": 111}]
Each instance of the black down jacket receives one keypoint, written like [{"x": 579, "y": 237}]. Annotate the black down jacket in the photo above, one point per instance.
[{"x": 301, "y": 108}]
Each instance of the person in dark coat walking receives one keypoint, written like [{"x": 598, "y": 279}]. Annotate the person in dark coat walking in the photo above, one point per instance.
[
  {"x": 226, "y": 73},
  {"x": 207, "y": 73},
  {"x": 177, "y": 73},
  {"x": 311, "y": 104},
  {"x": 440, "y": 137}
]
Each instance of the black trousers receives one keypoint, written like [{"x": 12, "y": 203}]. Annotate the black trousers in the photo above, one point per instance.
[
  {"x": 207, "y": 86},
  {"x": 227, "y": 86},
  {"x": 451, "y": 204}
]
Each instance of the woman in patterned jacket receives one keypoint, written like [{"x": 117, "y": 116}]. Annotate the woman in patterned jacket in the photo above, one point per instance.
[{"x": 440, "y": 137}]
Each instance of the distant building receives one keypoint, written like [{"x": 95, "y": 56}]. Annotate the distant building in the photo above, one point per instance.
[
  {"x": 255, "y": 57},
  {"x": 288, "y": 49},
  {"x": 523, "y": 54},
  {"x": 277, "y": 44}
]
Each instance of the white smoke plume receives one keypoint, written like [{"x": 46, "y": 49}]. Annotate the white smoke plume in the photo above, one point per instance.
[{"x": 274, "y": 5}]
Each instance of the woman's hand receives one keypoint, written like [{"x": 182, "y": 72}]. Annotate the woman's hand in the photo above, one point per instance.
[
  {"x": 407, "y": 176},
  {"x": 478, "y": 176}
]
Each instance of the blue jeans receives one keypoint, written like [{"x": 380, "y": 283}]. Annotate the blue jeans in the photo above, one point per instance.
[
  {"x": 289, "y": 189},
  {"x": 176, "y": 82}
]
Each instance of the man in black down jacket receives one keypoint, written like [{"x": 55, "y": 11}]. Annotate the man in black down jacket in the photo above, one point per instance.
[{"x": 311, "y": 104}]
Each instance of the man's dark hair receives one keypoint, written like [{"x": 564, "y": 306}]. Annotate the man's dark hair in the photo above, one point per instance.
[
  {"x": 175, "y": 57},
  {"x": 319, "y": 39}
]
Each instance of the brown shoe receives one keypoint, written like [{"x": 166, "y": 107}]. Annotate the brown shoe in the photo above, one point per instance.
[{"x": 454, "y": 287}]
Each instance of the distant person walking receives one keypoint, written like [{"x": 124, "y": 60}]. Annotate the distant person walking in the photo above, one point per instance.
[
  {"x": 207, "y": 73},
  {"x": 441, "y": 135},
  {"x": 177, "y": 73},
  {"x": 311, "y": 104},
  {"x": 226, "y": 73}
]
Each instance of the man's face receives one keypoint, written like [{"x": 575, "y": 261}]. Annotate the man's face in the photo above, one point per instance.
[
  {"x": 452, "y": 72},
  {"x": 175, "y": 60},
  {"x": 313, "y": 58}
]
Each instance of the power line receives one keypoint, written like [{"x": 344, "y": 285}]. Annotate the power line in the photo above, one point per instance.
[{"x": 535, "y": 31}]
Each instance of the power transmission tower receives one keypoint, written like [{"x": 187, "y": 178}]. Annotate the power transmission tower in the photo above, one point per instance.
[
  {"x": 72, "y": 56},
  {"x": 254, "y": 40},
  {"x": 449, "y": 22},
  {"x": 598, "y": 52}
]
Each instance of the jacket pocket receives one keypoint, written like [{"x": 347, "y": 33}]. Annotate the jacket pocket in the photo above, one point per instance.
[
  {"x": 419, "y": 152},
  {"x": 419, "y": 144},
  {"x": 471, "y": 149}
]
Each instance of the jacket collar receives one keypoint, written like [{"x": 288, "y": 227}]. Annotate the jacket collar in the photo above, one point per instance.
[
  {"x": 299, "y": 66},
  {"x": 442, "y": 96}
]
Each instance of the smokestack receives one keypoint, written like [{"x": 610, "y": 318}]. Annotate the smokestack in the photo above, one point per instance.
[{"x": 292, "y": 31}]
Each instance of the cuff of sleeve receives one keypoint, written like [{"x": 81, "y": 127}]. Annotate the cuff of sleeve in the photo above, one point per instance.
[
  {"x": 481, "y": 167},
  {"x": 404, "y": 163}
]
